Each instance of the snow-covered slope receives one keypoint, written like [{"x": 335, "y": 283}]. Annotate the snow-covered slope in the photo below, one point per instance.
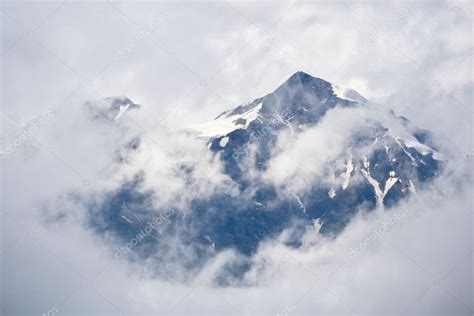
[
  {"x": 348, "y": 94},
  {"x": 228, "y": 122}
]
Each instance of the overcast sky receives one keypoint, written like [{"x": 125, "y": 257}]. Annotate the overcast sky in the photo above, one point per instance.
[{"x": 186, "y": 62}]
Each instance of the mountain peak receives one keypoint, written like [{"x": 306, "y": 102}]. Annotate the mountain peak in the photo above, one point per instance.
[
  {"x": 110, "y": 108},
  {"x": 303, "y": 78},
  {"x": 300, "y": 74},
  {"x": 301, "y": 100}
]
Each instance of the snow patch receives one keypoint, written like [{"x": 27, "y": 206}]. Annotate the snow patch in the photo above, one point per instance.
[
  {"x": 421, "y": 148},
  {"x": 412, "y": 187},
  {"x": 379, "y": 194},
  {"x": 303, "y": 208},
  {"x": 122, "y": 110},
  {"x": 317, "y": 224},
  {"x": 348, "y": 94},
  {"x": 223, "y": 142},
  {"x": 349, "y": 170},
  {"x": 225, "y": 124},
  {"x": 389, "y": 184},
  {"x": 332, "y": 193}
]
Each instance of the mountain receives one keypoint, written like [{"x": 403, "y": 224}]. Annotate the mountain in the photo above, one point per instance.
[
  {"x": 302, "y": 99},
  {"x": 394, "y": 164},
  {"x": 110, "y": 109},
  {"x": 382, "y": 162}
]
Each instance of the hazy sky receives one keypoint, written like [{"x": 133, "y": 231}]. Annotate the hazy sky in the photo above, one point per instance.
[{"x": 186, "y": 62}]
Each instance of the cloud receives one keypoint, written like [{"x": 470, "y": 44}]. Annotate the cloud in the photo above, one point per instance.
[
  {"x": 323, "y": 142},
  {"x": 191, "y": 67}
]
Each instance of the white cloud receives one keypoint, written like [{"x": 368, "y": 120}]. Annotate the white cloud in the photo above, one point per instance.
[{"x": 421, "y": 68}]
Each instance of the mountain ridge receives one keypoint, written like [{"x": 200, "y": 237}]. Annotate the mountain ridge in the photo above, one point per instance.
[{"x": 271, "y": 104}]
